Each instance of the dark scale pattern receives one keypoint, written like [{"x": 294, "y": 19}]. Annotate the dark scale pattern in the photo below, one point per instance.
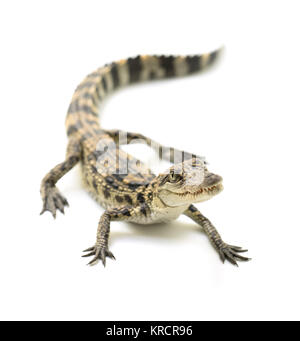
[
  {"x": 115, "y": 75},
  {"x": 143, "y": 209},
  {"x": 128, "y": 199},
  {"x": 104, "y": 84},
  {"x": 193, "y": 209},
  {"x": 193, "y": 63},
  {"x": 134, "y": 186},
  {"x": 87, "y": 109},
  {"x": 135, "y": 68},
  {"x": 76, "y": 108},
  {"x": 86, "y": 136},
  {"x": 119, "y": 177},
  {"x": 91, "y": 157},
  {"x": 140, "y": 198},
  {"x": 91, "y": 122},
  {"x": 106, "y": 193},
  {"x": 119, "y": 199},
  {"x": 167, "y": 63},
  {"x": 94, "y": 169},
  {"x": 126, "y": 212},
  {"x": 90, "y": 96},
  {"x": 72, "y": 129},
  {"x": 114, "y": 185},
  {"x": 95, "y": 184},
  {"x": 97, "y": 94},
  {"x": 109, "y": 179},
  {"x": 213, "y": 56}
]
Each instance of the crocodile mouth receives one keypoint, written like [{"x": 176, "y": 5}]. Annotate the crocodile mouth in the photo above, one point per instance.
[{"x": 211, "y": 190}]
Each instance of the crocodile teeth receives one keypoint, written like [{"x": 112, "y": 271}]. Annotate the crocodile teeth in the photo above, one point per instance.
[{"x": 201, "y": 190}]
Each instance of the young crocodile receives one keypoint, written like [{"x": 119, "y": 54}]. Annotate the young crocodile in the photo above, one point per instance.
[{"x": 122, "y": 184}]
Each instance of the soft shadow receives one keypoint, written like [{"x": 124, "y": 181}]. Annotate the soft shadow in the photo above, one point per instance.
[{"x": 174, "y": 230}]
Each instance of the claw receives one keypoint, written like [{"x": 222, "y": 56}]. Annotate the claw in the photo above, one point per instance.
[
  {"x": 52, "y": 212},
  {"x": 65, "y": 201},
  {"x": 89, "y": 249},
  {"x": 99, "y": 253},
  {"x": 231, "y": 253},
  {"x": 222, "y": 256},
  {"x": 234, "y": 247},
  {"x": 110, "y": 255},
  {"x": 240, "y": 257},
  {"x": 53, "y": 201},
  {"x": 230, "y": 258},
  {"x": 88, "y": 254},
  {"x": 237, "y": 249},
  {"x": 93, "y": 261}
]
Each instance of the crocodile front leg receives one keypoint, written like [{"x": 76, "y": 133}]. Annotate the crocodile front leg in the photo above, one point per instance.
[
  {"x": 52, "y": 199},
  {"x": 226, "y": 251},
  {"x": 100, "y": 250}
]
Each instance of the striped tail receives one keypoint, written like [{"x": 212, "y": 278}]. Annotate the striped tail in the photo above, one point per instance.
[{"x": 82, "y": 117}]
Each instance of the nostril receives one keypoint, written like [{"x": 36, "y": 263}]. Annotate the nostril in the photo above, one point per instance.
[{"x": 212, "y": 179}]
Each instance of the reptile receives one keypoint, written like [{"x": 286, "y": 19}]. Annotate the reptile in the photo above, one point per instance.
[{"x": 123, "y": 185}]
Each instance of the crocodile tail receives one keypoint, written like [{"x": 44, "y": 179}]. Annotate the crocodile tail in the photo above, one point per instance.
[{"x": 83, "y": 111}]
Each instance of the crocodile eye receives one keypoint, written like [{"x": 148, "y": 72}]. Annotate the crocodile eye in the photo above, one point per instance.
[{"x": 173, "y": 177}]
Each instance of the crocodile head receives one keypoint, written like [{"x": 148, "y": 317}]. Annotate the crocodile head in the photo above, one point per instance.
[{"x": 187, "y": 182}]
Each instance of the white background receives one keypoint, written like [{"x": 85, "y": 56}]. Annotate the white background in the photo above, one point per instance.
[{"x": 243, "y": 115}]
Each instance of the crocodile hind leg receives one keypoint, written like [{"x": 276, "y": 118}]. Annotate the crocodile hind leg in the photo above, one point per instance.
[
  {"x": 52, "y": 199},
  {"x": 166, "y": 153},
  {"x": 226, "y": 251}
]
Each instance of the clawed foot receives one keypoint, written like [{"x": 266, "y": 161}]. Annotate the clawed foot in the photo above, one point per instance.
[
  {"x": 231, "y": 253},
  {"x": 53, "y": 200},
  {"x": 100, "y": 252}
]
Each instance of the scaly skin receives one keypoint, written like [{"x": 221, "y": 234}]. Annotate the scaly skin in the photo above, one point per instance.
[{"x": 123, "y": 185}]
